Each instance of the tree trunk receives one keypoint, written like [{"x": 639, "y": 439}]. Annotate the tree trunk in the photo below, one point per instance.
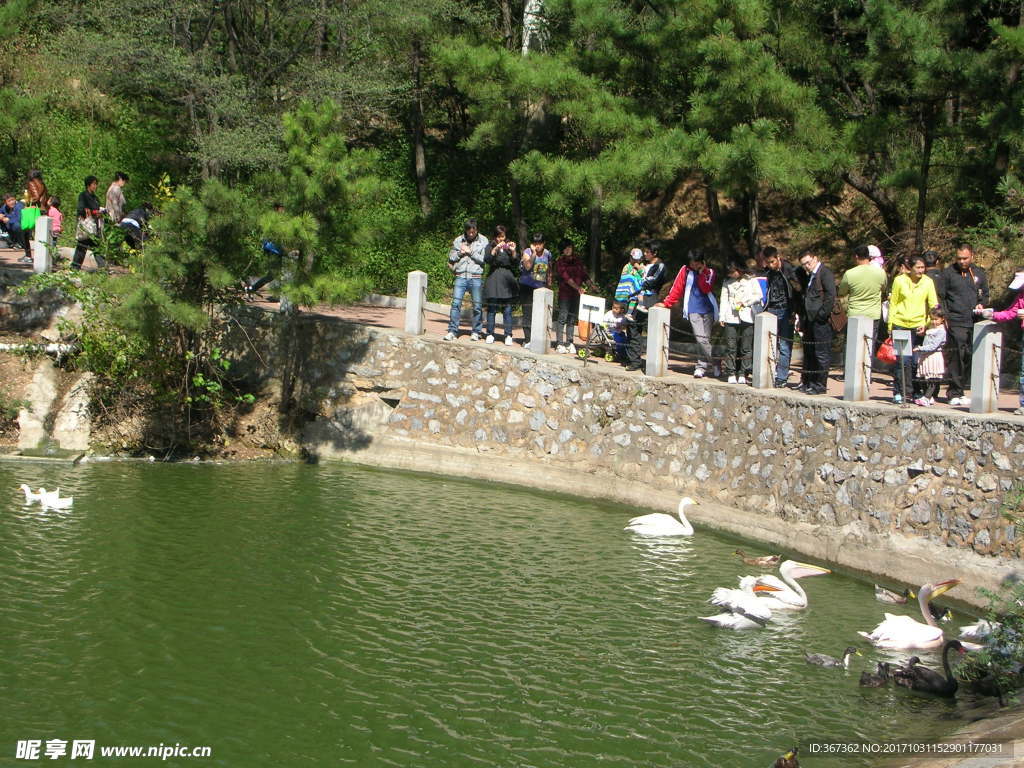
[
  {"x": 753, "y": 223},
  {"x": 418, "y": 131},
  {"x": 519, "y": 223},
  {"x": 594, "y": 243},
  {"x": 928, "y": 124},
  {"x": 506, "y": 25},
  {"x": 715, "y": 214},
  {"x": 886, "y": 206},
  {"x": 533, "y": 26}
]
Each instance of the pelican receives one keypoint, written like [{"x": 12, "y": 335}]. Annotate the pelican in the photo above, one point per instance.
[
  {"x": 904, "y": 632},
  {"x": 767, "y": 561},
  {"x": 661, "y": 524},
  {"x": 788, "y": 595},
  {"x": 824, "y": 660},
  {"x": 744, "y": 610},
  {"x": 919, "y": 678},
  {"x": 31, "y": 495},
  {"x": 884, "y": 595}
]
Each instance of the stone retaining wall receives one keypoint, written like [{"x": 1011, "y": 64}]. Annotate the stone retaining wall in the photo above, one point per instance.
[{"x": 942, "y": 479}]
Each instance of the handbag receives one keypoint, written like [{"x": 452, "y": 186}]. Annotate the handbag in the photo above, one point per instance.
[
  {"x": 28, "y": 217},
  {"x": 838, "y": 318},
  {"x": 86, "y": 229},
  {"x": 887, "y": 352}
]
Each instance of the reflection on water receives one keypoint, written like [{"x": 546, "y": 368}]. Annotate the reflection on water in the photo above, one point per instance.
[{"x": 289, "y": 614}]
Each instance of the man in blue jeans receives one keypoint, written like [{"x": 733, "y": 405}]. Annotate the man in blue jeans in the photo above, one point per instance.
[
  {"x": 466, "y": 261},
  {"x": 779, "y": 299}
]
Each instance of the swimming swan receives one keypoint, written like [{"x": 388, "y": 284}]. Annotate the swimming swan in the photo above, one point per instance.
[
  {"x": 904, "y": 632},
  {"x": 661, "y": 524}
]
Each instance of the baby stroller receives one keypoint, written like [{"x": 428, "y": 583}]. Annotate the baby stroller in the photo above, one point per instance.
[{"x": 599, "y": 342}]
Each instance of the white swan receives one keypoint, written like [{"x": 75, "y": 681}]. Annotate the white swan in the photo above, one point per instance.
[
  {"x": 31, "y": 495},
  {"x": 979, "y": 631},
  {"x": 787, "y": 594},
  {"x": 905, "y": 632},
  {"x": 662, "y": 524},
  {"x": 744, "y": 610}
]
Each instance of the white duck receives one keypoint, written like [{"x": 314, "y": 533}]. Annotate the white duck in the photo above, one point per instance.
[
  {"x": 56, "y": 502},
  {"x": 904, "y": 632},
  {"x": 787, "y": 594},
  {"x": 744, "y": 610},
  {"x": 662, "y": 524},
  {"x": 31, "y": 495}
]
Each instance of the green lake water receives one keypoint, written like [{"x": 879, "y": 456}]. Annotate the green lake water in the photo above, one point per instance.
[{"x": 290, "y": 615}]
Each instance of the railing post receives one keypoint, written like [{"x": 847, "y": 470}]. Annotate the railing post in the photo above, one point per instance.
[
  {"x": 766, "y": 334},
  {"x": 860, "y": 332},
  {"x": 540, "y": 332},
  {"x": 415, "y": 302},
  {"x": 658, "y": 319},
  {"x": 42, "y": 259},
  {"x": 988, "y": 352}
]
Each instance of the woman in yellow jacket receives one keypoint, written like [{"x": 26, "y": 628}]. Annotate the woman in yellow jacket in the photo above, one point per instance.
[{"x": 911, "y": 299}]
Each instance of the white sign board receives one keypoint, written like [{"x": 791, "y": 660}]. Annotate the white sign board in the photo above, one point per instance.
[
  {"x": 902, "y": 343},
  {"x": 591, "y": 308}
]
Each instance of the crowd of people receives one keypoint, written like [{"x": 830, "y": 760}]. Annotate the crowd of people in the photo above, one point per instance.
[
  {"x": 18, "y": 216},
  {"x": 933, "y": 305}
]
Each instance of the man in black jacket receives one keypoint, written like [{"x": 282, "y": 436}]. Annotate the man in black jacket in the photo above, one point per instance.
[
  {"x": 781, "y": 299},
  {"x": 819, "y": 298},
  {"x": 964, "y": 289}
]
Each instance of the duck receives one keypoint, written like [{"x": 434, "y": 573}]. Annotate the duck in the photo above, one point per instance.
[
  {"x": 765, "y": 561},
  {"x": 824, "y": 660},
  {"x": 788, "y": 760},
  {"x": 662, "y": 524},
  {"x": 906, "y": 633},
  {"x": 31, "y": 495},
  {"x": 787, "y": 594},
  {"x": 877, "y": 679},
  {"x": 56, "y": 502},
  {"x": 743, "y": 610},
  {"x": 884, "y": 595},
  {"x": 919, "y": 678}
]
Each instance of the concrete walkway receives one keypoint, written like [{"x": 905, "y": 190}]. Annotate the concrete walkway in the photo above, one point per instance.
[{"x": 436, "y": 326}]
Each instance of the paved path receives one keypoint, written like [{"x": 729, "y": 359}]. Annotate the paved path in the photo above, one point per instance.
[{"x": 436, "y": 326}]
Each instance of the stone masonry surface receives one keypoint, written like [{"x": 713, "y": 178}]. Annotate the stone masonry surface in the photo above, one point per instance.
[{"x": 940, "y": 477}]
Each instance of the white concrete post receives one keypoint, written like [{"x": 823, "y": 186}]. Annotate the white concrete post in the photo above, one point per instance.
[
  {"x": 42, "y": 258},
  {"x": 540, "y": 332},
  {"x": 766, "y": 350},
  {"x": 860, "y": 332},
  {"x": 658, "y": 319},
  {"x": 415, "y": 302},
  {"x": 988, "y": 353}
]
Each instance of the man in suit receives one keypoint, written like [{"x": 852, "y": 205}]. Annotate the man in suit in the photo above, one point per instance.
[{"x": 818, "y": 300}]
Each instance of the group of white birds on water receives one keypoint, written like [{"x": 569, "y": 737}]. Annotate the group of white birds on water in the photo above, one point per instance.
[
  {"x": 751, "y": 605},
  {"x": 48, "y": 499}
]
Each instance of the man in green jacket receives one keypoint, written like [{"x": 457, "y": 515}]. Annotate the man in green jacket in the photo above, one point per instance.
[{"x": 864, "y": 285}]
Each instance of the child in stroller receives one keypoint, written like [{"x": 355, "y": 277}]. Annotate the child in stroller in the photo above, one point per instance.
[{"x": 609, "y": 337}]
